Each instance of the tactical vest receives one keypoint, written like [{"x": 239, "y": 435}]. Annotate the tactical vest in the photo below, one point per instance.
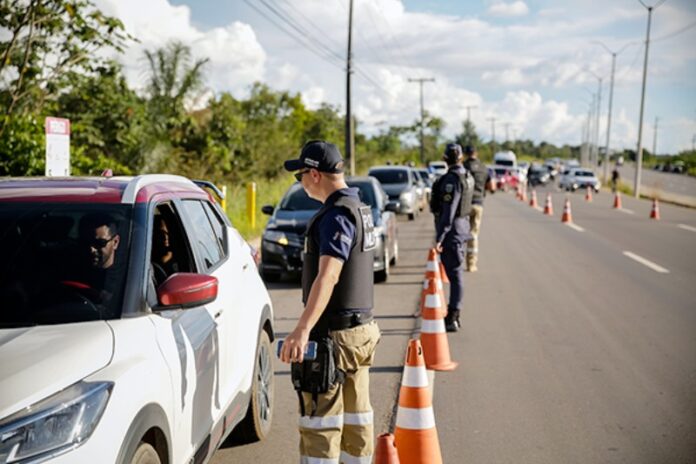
[
  {"x": 467, "y": 182},
  {"x": 480, "y": 173},
  {"x": 354, "y": 289}
]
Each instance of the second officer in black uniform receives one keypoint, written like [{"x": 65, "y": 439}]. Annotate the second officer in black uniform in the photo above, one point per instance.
[
  {"x": 451, "y": 204},
  {"x": 337, "y": 291}
]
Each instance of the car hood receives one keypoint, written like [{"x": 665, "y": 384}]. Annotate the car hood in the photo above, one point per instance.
[
  {"x": 40, "y": 361},
  {"x": 291, "y": 221},
  {"x": 394, "y": 189}
]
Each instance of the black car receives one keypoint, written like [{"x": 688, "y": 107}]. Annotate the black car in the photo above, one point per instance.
[
  {"x": 282, "y": 242},
  {"x": 538, "y": 175}
]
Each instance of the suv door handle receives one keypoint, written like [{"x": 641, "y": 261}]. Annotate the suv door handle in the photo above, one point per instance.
[
  {"x": 245, "y": 266},
  {"x": 218, "y": 314}
]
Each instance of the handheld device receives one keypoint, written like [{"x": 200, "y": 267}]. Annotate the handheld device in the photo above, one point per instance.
[{"x": 310, "y": 350}]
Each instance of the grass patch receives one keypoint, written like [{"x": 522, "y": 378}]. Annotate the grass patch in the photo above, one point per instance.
[{"x": 267, "y": 193}]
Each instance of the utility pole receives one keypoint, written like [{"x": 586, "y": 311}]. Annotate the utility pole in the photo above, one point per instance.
[
  {"x": 350, "y": 137},
  {"x": 611, "y": 101},
  {"x": 468, "y": 111},
  {"x": 654, "y": 153},
  {"x": 639, "y": 153},
  {"x": 492, "y": 120},
  {"x": 507, "y": 131},
  {"x": 421, "y": 80}
]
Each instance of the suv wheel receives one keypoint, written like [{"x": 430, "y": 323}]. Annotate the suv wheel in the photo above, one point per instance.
[
  {"x": 395, "y": 258},
  {"x": 383, "y": 275},
  {"x": 411, "y": 216},
  {"x": 145, "y": 454},
  {"x": 257, "y": 423},
  {"x": 269, "y": 276}
]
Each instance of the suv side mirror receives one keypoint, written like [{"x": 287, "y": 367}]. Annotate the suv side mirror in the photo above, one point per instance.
[
  {"x": 186, "y": 290},
  {"x": 392, "y": 206},
  {"x": 267, "y": 209}
]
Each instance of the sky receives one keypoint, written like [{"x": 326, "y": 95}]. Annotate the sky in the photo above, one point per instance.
[{"x": 532, "y": 65}]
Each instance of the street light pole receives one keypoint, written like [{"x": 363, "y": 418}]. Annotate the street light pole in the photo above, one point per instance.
[
  {"x": 492, "y": 120},
  {"x": 422, "y": 115},
  {"x": 350, "y": 138},
  {"x": 639, "y": 154},
  {"x": 468, "y": 111},
  {"x": 654, "y": 152}
]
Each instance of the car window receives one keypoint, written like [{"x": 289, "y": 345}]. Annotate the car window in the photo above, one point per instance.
[
  {"x": 365, "y": 192},
  {"x": 218, "y": 226},
  {"x": 169, "y": 252},
  {"x": 391, "y": 176},
  {"x": 584, "y": 173},
  {"x": 62, "y": 262},
  {"x": 296, "y": 199},
  {"x": 204, "y": 239}
]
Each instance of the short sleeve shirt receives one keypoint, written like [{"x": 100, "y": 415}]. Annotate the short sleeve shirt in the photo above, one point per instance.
[{"x": 337, "y": 231}]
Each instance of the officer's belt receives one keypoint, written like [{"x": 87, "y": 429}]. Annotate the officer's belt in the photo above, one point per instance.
[{"x": 348, "y": 321}]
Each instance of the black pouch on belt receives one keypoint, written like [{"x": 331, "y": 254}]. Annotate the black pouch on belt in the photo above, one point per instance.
[{"x": 317, "y": 375}]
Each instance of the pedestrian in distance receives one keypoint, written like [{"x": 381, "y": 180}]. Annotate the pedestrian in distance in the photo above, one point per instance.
[
  {"x": 336, "y": 420},
  {"x": 451, "y": 204},
  {"x": 481, "y": 178},
  {"x": 615, "y": 178}
]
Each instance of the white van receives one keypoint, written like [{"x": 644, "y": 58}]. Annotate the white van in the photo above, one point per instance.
[{"x": 505, "y": 158}]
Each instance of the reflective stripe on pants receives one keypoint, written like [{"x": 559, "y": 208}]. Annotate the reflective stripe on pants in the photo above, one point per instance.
[
  {"x": 343, "y": 423},
  {"x": 474, "y": 229}
]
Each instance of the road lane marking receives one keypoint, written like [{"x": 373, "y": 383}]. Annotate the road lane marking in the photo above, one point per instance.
[
  {"x": 575, "y": 226},
  {"x": 624, "y": 210},
  {"x": 646, "y": 262},
  {"x": 539, "y": 208},
  {"x": 685, "y": 227}
]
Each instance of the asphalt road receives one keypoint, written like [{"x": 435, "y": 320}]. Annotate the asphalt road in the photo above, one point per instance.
[
  {"x": 675, "y": 187},
  {"x": 574, "y": 348}
]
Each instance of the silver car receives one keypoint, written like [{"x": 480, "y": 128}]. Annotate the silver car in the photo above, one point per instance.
[{"x": 401, "y": 185}]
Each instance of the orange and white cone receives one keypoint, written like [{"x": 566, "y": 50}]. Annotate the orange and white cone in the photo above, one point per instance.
[
  {"x": 548, "y": 207},
  {"x": 415, "y": 435},
  {"x": 588, "y": 194},
  {"x": 432, "y": 267},
  {"x": 385, "y": 452},
  {"x": 523, "y": 194},
  {"x": 433, "y": 334},
  {"x": 655, "y": 211},
  {"x": 567, "y": 216},
  {"x": 518, "y": 195},
  {"x": 617, "y": 201},
  {"x": 433, "y": 296},
  {"x": 533, "y": 200},
  {"x": 443, "y": 273}
]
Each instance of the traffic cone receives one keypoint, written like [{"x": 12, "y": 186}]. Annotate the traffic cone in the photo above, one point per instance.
[
  {"x": 533, "y": 200},
  {"x": 432, "y": 267},
  {"x": 386, "y": 453},
  {"x": 433, "y": 335},
  {"x": 443, "y": 273},
  {"x": 548, "y": 207},
  {"x": 415, "y": 435},
  {"x": 523, "y": 194},
  {"x": 567, "y": 217},
  {"x": 655, "y": 211},
  {"x": 433, "y": 296},
  {"x": 588, "y": 194},
  {"x": 518, "y": 195},
  {"x": 617, "y": 201}
]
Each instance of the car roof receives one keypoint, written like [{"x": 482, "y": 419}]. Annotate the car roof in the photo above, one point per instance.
[{"x": 121, "y": 189}]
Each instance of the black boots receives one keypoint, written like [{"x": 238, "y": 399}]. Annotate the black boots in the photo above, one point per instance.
[{"x": 452, "y": 321}]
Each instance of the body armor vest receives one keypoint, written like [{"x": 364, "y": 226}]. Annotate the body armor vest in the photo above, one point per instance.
[{"x": 354, "y": 289}]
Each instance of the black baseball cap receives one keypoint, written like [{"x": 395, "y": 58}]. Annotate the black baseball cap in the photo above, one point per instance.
[
  {"x": 317, "y": 154},
  {"x": 453, "y": 152},
  {"x": 469, "y": 150}
]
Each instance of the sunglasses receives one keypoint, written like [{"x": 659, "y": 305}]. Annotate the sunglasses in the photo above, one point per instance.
[
  {"x": 99, "y": 243},
  {"x": 298, "y": 175}
]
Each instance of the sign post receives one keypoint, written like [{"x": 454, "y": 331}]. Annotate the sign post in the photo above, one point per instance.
[{"x": 57, "y": 147}]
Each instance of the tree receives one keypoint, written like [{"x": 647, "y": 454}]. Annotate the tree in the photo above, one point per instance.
[
  {"x": 469, "y": 136},
  {"x": 47, "y": 43}
]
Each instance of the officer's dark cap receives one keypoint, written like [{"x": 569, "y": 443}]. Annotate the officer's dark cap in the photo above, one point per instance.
[
  {"x": 453, "y": 153},
  {"x": 317, "y": 154},
  {"x": 469, "y": 150}
]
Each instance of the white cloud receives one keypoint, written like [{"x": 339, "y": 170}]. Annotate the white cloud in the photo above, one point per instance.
[{"x": 517, "y": 8}]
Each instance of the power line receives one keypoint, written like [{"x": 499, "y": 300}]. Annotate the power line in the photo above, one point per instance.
[{"x": 675, "y": 33}]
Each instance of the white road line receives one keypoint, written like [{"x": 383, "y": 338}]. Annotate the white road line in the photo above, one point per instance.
[
  {"x": 647, "y": 263},
  {"x": 685, "y": 227},
  {"x": 624, "y": 210},
  {"x": 539, "y": 208},
  {"x": 575, "y": 226}
]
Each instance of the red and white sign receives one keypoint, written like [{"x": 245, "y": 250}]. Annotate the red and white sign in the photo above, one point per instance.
[{"x": 57, "y": 147}]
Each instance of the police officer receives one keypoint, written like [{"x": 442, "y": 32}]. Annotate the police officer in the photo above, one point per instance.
[
  {"x": 337, "y": 292},
  {"x": 480, "y": 173},
  {"x": 452, "y": 197}
]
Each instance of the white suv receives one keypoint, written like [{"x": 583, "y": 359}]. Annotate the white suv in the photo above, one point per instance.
[{"x": 134, "y": 325}]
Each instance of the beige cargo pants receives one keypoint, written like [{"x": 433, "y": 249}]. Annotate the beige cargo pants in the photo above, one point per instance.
[
  {"x": 341, "y": 431},
  {"x": 474, "y": 229}
]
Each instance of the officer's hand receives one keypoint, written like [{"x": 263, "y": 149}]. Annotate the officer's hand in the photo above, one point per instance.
[
  {"x": 438, "y": 247},
  {"x": 294, "y": 346}
]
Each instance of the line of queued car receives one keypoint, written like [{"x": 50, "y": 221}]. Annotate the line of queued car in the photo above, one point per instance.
[{"x": 389, "y": 190}]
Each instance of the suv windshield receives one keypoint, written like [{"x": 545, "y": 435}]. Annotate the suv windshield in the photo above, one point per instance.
[
  {"x": 390, "y": 176},
  {"x": 62, "y": 263},
  {"x": 583, "y": 173},
  {"x": 297, "y": 200}
]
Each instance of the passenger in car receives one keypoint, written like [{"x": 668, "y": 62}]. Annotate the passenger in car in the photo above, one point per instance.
[{"x": 164, "y": 263}]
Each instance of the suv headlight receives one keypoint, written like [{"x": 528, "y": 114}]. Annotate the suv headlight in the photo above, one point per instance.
[
  {"x": 276, "y": 236},
  {"x": 57, "y": 424}
]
